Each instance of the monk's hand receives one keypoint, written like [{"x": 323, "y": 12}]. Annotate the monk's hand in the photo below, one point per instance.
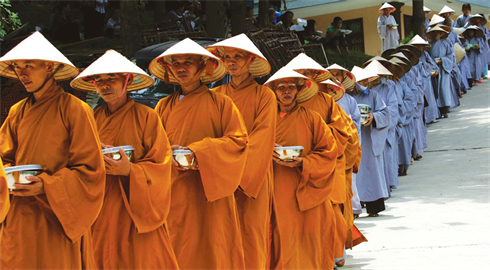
[
  {"x": 120, "y": 167},
  {"x": 370, "y": 119},
  {"x": 33, "y": 189},
  {"x": 436, "y": 73},
  {"x": 275, "y": 155},
  {"x": 297, "y": 162},
  {"x": 104, "y": 146},
  {"x": 389, "y": 26},
  {"x": 177, "y": 164}
]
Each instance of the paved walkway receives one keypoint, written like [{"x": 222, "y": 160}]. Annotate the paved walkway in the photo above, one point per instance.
[{"x": 439, "y": 217}]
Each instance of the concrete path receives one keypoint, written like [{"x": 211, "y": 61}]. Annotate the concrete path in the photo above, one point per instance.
[{"x": 439, "y": 217}]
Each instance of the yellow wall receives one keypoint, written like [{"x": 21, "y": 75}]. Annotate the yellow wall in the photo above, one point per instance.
[{"x": 372, "y": 42}]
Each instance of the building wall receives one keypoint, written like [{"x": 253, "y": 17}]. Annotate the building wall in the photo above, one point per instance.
[{"x": 372, "y": 42}]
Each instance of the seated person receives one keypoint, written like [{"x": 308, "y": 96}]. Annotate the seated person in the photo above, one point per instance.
[{"x": 335, "y": 38}]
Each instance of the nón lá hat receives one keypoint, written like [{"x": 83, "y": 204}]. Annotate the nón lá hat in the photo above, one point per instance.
[
  {"x": 214, "y": 69},
  {"x": 446, "y": 9},
  {"x": 435, "y": 29},
  {"x": 308, "y": 90},
  {"x": 37, "y": 47},
  {"x": 304, "y": 62},
  {"x": 436, "y": 19},
  {"x": 418, "y": 40},
  {"x": 258, "y": 68},
  {"x": 472, "y": 20},
  {"x": 338, "y": 87},
  {"x": 349, "y": 78},
  {"x": 112, "y": 62},
  {"x": 363, "y": 74},
  {"x": 385, "y": 6},
  {"x": 426, "y": 9},
  {"x": 378, "y": 68}
]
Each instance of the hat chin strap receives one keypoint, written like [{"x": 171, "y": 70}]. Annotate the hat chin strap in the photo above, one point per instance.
[
  {"x": 196, "y": 76},
  {"x": 124, "y": 90}
]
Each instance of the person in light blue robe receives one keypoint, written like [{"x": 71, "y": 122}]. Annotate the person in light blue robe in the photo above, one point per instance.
[
  {"x": 371, "y": 182},
  {"x": 442, "y": 53},
  {"x": 405, "y": 125},
  {"x": 431, "y": 112},
  {"x": 349, "y": 105},
  {"x": 475, "y": 57},
  {"x": 386, "y": 90},
  {"x": 389, "y": 34},
  {"x": 462, "y": 19},
  {"x": 420, "y": 128}
]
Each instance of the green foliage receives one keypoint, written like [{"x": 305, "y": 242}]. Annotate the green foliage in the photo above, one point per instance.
[
  {"x": 355, "y": 58},
  {"x": 9, "y": 20},
  {"x": 407, "y": 38}
]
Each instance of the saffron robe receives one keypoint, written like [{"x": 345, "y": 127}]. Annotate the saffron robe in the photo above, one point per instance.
[
  {"x": 4, "y": 197},
  {"x": 258, "y": 107},
  {"x": 389, "y": 37},
  {"x": 331, "y": 113},
  {"x": 57, "y": 132},
  {"x": 371, "y": 182},
  {"x": 203, "y": 220},
  {"x": 304, "y": 210},
  {"x": 131, "y": 230}
]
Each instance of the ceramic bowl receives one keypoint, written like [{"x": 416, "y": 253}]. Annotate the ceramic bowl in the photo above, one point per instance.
[
  {"x": 183, "y": 157},
  {"x": 286, "y": 153},
  {"x": 114, "y": 152},
  {"x": 18, "y": 174}
]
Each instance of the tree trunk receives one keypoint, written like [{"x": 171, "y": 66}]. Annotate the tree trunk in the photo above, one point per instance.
[
  {"x": 130, "y": 27},
  {"x": 215, "y": 19},
  {"x": 263, "y": 12},
  {"x": 159, "y": 11},
  {"x": 238, "y": 23},
  {"x": 418, "y": 19}
]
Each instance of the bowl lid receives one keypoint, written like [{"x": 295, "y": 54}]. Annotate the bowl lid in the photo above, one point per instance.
[
  {"x": 363, "y": 105},
  {"x": 116, "y": 149},
  {"x": 289, "y": 147},
  {"x": 181, "y": 152},
  {"x": 31, "y": 167}
]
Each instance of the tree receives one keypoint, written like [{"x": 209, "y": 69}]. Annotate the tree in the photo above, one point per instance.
[
  {"x": 160, "y": 11},
  {"x": 263, "y": 12},
  {"x": 238, "y": 21},
  {"x": 130, "y": 27},
  {"x": 9, "y": 21},
  {"x": 215, "y": 19},
  {"x": 418, "y": 19}
]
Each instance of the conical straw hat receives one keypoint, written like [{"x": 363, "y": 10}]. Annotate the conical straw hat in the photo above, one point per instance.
[
  {"x": 386, "y": 5},
  {"x": 37, "y": 47},
  {"x": 417, "y": 40},
  {"x": 414, "y": 50},
  {"x": 349, "y": 78},
  {"x": 186, "y": 46},
  {"x": 112, "y": 62},
  {"x": 308, "y": 91},
  {"x": 339, "y": 89},
  {"x": 401, "y": 56},
  {"x": 363, "y": 74},
  {"x": 388, "y": 52},
  {"x": 483, "y": 20},
  {"x": 446, "y": 9},
  {"x": 406, "y": 65},
  {"x": 459, "y": 51},
  {"x": 459, "y": 30},
  {"x": 377, "y": 58},
  {"x": 436, "y": 19},
  {"x": 303, "y": 61},
  {"x": 434, "y": 29},
  {"x": 378, "y": 68},
  {"x": 394, "y": 68},
  {"x": 426, "y": 9},
  {"x": 259, "y": 67},
  {"x": 412, "y": 57},
  {"x": 478, "y": 31}
]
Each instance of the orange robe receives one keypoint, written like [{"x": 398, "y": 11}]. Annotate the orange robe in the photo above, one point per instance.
[
  {"x": 304, "y": 210},
  {"x": 4, "y": 197},
  {"x": 131, "y": 230},
  {"x": 258, "y": 107},
  {"x": 203, "y": 220},
  {"x": 331, "y": 113},
  {"x": 52, "y": 230}
]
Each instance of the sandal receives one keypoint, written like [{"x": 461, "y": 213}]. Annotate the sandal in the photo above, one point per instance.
[
  {"x": 373, "y": 215},
  {"x": 340, "y": 263},
  {"x": 356, "y": 216}
]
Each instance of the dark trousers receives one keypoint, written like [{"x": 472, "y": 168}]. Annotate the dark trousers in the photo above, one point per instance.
[{"x": 376, "y": 206}]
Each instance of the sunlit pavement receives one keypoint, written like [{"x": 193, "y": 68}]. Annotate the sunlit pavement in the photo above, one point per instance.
[{"x": 439, "y": 217}]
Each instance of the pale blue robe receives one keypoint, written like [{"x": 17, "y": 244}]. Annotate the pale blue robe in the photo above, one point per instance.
[
  {"x": 462, "y": 20},
  {"x": 405, "y": 125},
  {"x": 475, "y": 58},
  {"x": 386, "y": 90},
  {"x": 443, "y": 50},
  {"x": 371, "y": 182},
  {"x": 349, "y": 105},
  {"x": 420, "y": 128},
  {"x": 389, "y": 37},
  {"x": 428, "y": 65}
]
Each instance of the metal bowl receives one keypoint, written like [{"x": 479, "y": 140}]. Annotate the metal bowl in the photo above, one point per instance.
[
  {"x": 364, "y": 108},
  {"x": 114, "y": 152},
  {"x": 286, "y": 153},
  {"x": 18, "y": 174},
  {"x": 364, "y": 118},
  {"x": 183, "y": 157}
]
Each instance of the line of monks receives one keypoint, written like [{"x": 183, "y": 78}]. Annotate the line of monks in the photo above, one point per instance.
[{"x": 239, "y": 205}]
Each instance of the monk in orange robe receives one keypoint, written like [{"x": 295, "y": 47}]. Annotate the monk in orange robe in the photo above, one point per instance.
[
  {"x": 302, "y": 186},
  {"x": 131, "y": 230},
  {"x": 203, "y": 220},
  {"x": 258, "y": 107},
  {"x": 4, "y": 197},
  {"x": 48, "y": 223}
]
